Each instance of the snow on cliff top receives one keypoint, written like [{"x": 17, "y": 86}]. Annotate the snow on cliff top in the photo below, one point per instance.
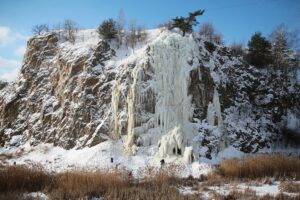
[{"x": 87, "y": 39}]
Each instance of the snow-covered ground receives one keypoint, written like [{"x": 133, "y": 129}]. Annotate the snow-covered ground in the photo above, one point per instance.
[
  {"x": 256, "y": 189},
  {"x": 55, "y": 158}
]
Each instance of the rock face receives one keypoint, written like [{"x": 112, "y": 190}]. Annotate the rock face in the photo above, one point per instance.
[{"x": 183, "y": 96}]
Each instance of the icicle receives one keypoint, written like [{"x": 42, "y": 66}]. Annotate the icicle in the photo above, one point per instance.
[
  {"x": 132, "y": 101},
  {"x": 217, "y": 106},
  {"x": 115, "y": 99},
  {"x": 214, "y": 111},
  {"x": 210, "y": 117}
]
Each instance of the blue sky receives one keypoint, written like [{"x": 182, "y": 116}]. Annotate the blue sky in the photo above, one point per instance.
[{"x": 237, "y": 20}]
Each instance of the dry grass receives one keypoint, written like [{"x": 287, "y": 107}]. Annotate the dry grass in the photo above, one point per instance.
[
  {"x": 23, "y": 179},
  {"x": 259, "y": 166},
  {"x": 83, "y": 184},
  {"x": 155, "y": 183},
  {"x": 289, "y": 186}
]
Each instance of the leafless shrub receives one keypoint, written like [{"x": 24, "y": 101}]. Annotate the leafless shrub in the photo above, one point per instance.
[
  {"x": 69, "y": 30},
  {"x": 131, "y": 35},
  {"x": 208, "y": 31},
  {"x": 141, "y": 33},
  {"x": 121, "y": 21},
  {"x": 237, "y": 49},
  {"x": 40, "y": 29},
  {"x": 166, "y": 25}
]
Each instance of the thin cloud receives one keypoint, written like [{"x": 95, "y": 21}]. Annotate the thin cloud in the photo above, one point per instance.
[
  {"x": 9, "y": 69},
  {"x": 7, "y": 36},
  {"x": 10, "y": 75},
  {"x": 20, "y": 51}
]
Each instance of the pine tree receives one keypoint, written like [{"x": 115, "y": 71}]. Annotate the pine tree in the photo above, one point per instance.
[
  {"x": 186, "y": 23},
  {"x": 259, "y": 53},
  {"x": 108, "y": 29}
]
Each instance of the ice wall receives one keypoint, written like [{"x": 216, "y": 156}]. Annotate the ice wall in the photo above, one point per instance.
[{"x": 173, "y": 58}]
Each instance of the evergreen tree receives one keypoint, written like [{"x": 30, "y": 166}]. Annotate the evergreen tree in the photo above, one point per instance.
[
  {"x": 259, "y": 53},
  {"x": 108, "y": 29},
  {"x": 186, "y": 23}
]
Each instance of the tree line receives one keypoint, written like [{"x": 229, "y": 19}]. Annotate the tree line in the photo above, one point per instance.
[
  {"x": 276, "y": 51},
  {"x": 108, "y": 30}
]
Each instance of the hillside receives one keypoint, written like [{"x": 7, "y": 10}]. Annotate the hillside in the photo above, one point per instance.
[{"x": 172, "y": 97}]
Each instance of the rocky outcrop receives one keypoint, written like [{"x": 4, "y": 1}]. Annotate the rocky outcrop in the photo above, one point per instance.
[
  {"x": 183, "y": 96},
  {"x": 56, "y": 99}
]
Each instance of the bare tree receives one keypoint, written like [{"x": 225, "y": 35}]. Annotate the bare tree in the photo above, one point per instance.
[
  {"x": 57, "y": 28},
  {"x": 40, "y": 29},
  {"x": 281, "y": 35},
  {"x": 166, "y": 25},
  {"x": 141, "y": 33},
  {"x": 284, "y": 43},
  {"x": 207, "y": 30},
  {"x": 120, "y": 27},
  {"x": 70, "y": 30},
  {"x": 131, "y": 36},
  {"x": 237, "y": 48},
  {"x": 218, "y": 38}
]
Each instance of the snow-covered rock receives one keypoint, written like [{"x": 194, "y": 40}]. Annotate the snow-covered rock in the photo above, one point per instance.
[{"x": 174, "y": 96}]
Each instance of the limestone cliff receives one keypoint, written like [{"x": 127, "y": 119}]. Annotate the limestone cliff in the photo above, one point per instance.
[{"x": 178, "y": 95}]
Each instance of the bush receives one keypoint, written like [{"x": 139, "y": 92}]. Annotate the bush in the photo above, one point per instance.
[{"x": 108, "y": 29}]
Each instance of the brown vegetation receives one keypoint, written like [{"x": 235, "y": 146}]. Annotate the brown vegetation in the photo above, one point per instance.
[
  {"x": 259, "y": 166},
  {"x": 83, "y": 184},
  {"x": 154, "y": 183},
  {"x": 289, "y": 186}
]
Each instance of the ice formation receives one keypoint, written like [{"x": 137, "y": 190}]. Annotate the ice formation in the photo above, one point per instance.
[
  {"x": 214, "y": 114},
  {"x": 132, "y": 101},
  {"x": 115, "y": 101},
  {"x": 173, "y": 59}
]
